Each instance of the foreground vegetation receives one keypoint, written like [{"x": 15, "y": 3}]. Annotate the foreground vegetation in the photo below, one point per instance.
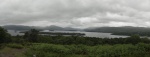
[
  {"x": 125, "y": 50},
  {"x": 56, "y": 50},
  {"x": 34, "y": 45}
]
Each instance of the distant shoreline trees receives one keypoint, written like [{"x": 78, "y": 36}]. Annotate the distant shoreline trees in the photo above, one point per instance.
[
  {"x": 31, "y": 35},
  {"x": 68, "y": 46}
]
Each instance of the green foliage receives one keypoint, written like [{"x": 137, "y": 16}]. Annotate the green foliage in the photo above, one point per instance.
[
  {"x": 17, "y": 46},
  {"x": 77, "y": 49},
  {"x": 31, "y": 35},
  {"x": 91, "y": 41},
  {"x": 134, "y": 39},
  {"x": 1, "y": 46},
  {"x": 4, "y": 36},
  {"x": 44, "y": 39},
  {"x": 18, "y": 39},
  {"x": 125, "y": 50},
  {"x": 44, "y": 50}
]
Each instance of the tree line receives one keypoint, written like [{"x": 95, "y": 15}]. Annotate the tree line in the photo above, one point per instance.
[
  {"x": 33, "y": 36},
  {"x": 75, "y": 46}
]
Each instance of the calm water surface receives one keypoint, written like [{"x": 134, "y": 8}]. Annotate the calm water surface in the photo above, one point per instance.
[
  {"x": 87, "y": 34},
  {"x": 96, "y": 34}
]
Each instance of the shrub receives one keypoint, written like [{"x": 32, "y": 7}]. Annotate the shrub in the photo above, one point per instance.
[
  {"x": 17, "y": 46},
  {"x": 119, "y": 50}
]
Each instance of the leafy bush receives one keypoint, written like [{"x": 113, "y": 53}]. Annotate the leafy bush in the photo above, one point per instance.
[
  {"x": 119, "y": 50},
  {"x": 17, "y": 46},
  {"x": 1, "y": 46}
]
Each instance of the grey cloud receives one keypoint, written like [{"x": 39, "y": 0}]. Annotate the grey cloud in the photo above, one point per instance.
[{"x": 72, "y": 12}]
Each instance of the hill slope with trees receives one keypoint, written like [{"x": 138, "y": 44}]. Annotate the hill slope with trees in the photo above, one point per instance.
[{"x": 142, "y": 31}]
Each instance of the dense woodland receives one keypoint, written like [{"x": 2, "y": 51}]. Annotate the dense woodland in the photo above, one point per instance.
[{"x": 75, "y": 46}]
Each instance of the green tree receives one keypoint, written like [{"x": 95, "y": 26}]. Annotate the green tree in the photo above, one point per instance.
[
  {"x": 4, "y": 36},
  {"x": 31, "y": 35},
  {"x": 134, "y": 39}
]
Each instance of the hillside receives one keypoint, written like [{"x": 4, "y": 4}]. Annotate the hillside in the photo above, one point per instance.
[
  {"x": 127, "y": 30},
  {"x": 52, "y": 27}
]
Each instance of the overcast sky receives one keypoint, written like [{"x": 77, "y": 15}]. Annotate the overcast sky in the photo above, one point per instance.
[{"x": 75, "y": 13}]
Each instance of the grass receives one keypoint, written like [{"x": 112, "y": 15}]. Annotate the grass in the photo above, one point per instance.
[
  {"x": 17, "y": 46},
  {"x": 12, "y": 52}
]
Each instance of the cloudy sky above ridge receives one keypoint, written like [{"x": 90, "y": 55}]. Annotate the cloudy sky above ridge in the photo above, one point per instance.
[{"x": 75, "y": 13}]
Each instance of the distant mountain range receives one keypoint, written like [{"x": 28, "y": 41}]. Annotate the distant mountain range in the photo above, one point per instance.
[
  {"x": 114, "y": 29},
  {"x": 126, "y": 30},
  {"x": 52, "y": 27}
]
